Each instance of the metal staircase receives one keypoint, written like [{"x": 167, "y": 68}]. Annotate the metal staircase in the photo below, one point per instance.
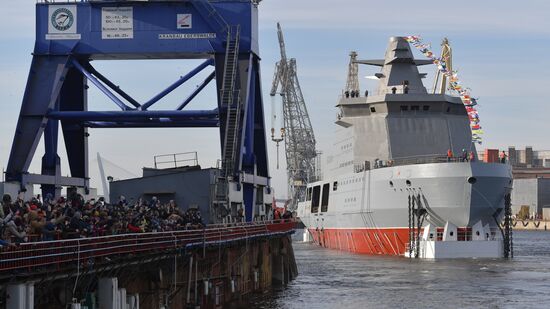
[
  {"x": 229, "y": 97},
  {"x": 230, "y": 101}
]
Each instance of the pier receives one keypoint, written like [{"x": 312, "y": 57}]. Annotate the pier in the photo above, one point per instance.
[{"x": 209, "y": 267}]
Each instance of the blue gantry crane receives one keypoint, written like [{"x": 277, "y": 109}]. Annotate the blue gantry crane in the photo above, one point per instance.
[{"x": 70, "y": 35}]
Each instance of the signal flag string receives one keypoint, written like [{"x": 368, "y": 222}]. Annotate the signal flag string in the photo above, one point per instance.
[{"x": 455, "y": 85}]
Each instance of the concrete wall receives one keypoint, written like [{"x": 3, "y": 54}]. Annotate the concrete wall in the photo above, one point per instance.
[
  {"x": 187, "y": 188},
  {"x": 534, "y": 193},
  {"x": 543, "y": 194},
  {"x": 525, "y": 193}
]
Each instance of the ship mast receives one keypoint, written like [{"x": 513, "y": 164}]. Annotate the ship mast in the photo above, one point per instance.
[
  {"x": 297, "y": 131},
  {"x": 352, "y": 84},
  {"x": 441, "y": 81}
]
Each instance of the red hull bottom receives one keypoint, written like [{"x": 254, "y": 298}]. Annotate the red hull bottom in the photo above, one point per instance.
[{"x": 388, "y": 241}]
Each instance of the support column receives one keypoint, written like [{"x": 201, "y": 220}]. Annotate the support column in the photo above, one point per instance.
[
  {"x": 122, "y": 299},
  {"x": 107, "y": 290},
  {"x": 133, "y": 301},
  {"x": 20, "y": 296}
]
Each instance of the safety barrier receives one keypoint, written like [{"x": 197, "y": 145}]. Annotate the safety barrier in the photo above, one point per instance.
[{"x": 61, "y": 253}]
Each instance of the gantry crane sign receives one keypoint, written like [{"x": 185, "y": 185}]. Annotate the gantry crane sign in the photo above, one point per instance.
[{"x": 297, "y": 131}]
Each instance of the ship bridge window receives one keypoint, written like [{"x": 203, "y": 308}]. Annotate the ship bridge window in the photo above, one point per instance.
[
  {"x": 373, "y": 109},
  {"x": 415, "y": 108},
  {"x": 315, "y": 199},
  {"x": 335, "y": 186},
  {"x": 404, "y": 108},
  {"x": 426, "y": 108},
  {"x": 308, "y": 194},
  {"x": 324, "y": 200}
]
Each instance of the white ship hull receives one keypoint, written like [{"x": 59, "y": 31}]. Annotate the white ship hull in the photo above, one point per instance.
[{"x": 371, "y": 208}]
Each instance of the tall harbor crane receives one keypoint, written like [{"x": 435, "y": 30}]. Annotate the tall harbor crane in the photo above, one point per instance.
[{"x": 296, "y": 132}]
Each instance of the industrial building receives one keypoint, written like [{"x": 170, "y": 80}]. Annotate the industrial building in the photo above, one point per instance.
[
  {"x": 190, "y": 187},
  {"x": 534, "y": 193},
  {"x": 531, "y": 173}
]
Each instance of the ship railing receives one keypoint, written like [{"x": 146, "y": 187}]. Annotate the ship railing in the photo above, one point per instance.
[
  {"x": 416, "y": 160},
  {"x": 68, "y": 252},
  {"x": 399, "y": 89}
]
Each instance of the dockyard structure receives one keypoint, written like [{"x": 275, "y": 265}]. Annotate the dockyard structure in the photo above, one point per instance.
[
  {"x": 196, "y": 268},
  {"x": 188, "y": 266},
  {"x": 531, "y": 173},
  {"x": 72, "y": 35},
  {"x": 520, "y": 159},
  {"x": 190, "y": 187},
  {"x": 297, "y": 133}
]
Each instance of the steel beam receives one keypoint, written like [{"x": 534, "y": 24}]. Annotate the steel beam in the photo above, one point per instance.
[
  {"x": 44, "y": 84},
  {"x": 197, "y": 91},
  {"x": 54, "y": 180},
  {"x": 203, "y": 123},
  {"x": 99, "y": 85},
  {"x": 129, "y": 115},
  {"x": 178, "y": 83},
  {"x": 114, "y": 87}
]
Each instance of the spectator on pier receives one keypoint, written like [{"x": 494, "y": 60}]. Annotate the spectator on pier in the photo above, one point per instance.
[
  {"x": 16, "y": 228},
  {"x": 5, "y": 206},
  {"x": 472, "y": 156},
  {"x": 36, "y": 221}
]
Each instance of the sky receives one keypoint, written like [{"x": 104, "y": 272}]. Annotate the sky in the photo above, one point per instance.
[{"x": 499, "y": 48}]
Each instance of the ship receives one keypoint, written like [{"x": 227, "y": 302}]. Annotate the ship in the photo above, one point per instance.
[{"x": 390, "y": 186}]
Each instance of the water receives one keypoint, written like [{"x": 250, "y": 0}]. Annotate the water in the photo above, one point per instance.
[{"x": 342, "y": 280}]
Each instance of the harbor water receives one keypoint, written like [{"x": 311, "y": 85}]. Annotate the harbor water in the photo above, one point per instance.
[{"x": 333, "y": 279}]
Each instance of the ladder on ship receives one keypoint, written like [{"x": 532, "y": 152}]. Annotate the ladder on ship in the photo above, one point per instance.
[
  {"x": 417, "y": 214},
  {"x": 508, "y": 239}
]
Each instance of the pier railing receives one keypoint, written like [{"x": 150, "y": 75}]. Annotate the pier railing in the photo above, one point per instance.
[{"x": 61, "y": 253}]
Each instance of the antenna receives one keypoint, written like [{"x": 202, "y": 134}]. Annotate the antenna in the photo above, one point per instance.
[{"x": 352, "y": 84}]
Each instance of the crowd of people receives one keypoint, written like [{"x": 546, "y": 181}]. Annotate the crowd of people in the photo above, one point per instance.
[{"x": 73, "y": 217}]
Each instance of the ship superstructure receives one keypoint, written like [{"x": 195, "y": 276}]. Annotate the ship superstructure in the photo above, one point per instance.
[{"x": 389, "y": 186}]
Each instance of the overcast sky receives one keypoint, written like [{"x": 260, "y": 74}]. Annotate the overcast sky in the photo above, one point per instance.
[{"x": 500, "y": 49}]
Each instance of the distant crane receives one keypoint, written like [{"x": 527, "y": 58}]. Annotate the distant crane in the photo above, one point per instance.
[
  {"x": 296, "y": 131},
  {"x": 440, "y": 80}
]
